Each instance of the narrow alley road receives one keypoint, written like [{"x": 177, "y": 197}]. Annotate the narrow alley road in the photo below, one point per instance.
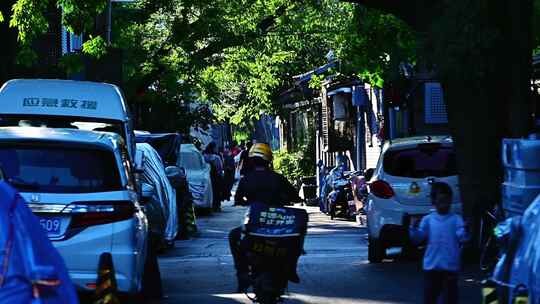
[{"x": 335, "y": 269}]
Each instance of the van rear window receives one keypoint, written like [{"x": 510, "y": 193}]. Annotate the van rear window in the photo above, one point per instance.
[
  {"x": 421, "y": 162},
  {"x": 46, "y": 169},
  {"x": 67, "y": 122}
]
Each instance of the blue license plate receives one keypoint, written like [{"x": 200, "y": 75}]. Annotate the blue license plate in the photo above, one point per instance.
[{"x": 51, "y": 225}]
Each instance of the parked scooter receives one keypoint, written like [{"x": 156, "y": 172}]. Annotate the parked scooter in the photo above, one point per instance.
[
  {"x": 274, "y": 238},
  {"x": 341, "y": 200},
  {"x": 359, "y": 184}
]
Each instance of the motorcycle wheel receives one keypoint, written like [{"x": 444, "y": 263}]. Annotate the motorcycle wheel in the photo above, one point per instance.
[
  {"x": 266, "y": 299},
  {"x": 265, "y": 292}
]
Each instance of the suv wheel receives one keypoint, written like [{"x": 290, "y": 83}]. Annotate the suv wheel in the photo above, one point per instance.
[
  {"x": 151, "y": 281},
  {"x": 376, "y": 251}
]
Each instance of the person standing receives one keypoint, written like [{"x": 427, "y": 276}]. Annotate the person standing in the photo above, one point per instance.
[
  {"x": 216, "y": 174},
  {"x": 322, "y": 185},
  {"x": 228, "y": 174},
  {"x": 235, "y": 150},
  {"x": 245, "y": 164},
  {"x": 444, "y": 232}
]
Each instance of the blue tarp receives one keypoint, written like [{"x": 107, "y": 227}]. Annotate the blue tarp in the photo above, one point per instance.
[
  {"x": 166, "y": 144},
  {"x": 346, "y": 90},
  {"x": 519, "y": 266},
  {"x": 359, "y": 96},
  {"x": 27, "y": 256}
]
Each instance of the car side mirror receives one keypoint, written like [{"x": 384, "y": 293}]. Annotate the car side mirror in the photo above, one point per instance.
[
  {"x": 175, "y": 175},
  {"x": 369, "y": 174},
  {"x": 147, "y": 191},
  {"x": 173, "y": 171}
]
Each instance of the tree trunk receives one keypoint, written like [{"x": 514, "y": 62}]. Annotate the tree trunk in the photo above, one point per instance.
[{"x": 496, "y": 104}]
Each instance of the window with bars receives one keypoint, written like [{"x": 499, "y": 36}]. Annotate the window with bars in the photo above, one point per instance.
[
  {"x": 70, "y": 42},
  {"x": 435, "y": 108}
]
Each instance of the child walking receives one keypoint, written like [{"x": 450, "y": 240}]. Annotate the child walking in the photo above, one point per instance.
[{"x": 444, "y": 233}]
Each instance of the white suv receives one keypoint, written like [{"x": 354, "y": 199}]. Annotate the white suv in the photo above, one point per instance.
[
  {"x": 80, "y": 185},
  {"x": 400, "y": 188}
]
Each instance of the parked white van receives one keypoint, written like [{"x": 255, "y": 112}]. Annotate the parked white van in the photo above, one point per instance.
[{"x": 68, "y": 104}]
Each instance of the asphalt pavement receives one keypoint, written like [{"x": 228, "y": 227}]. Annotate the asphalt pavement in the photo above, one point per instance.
[{"x": 334, "y": 270}]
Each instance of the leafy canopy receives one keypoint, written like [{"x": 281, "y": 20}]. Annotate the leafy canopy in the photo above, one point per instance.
[{"x": 236, "y": 55}]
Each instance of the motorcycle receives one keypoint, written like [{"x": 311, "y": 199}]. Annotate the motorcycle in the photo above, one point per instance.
[
  {"x": 340, "y": 201},
  {"x": 273, "y": 240}
]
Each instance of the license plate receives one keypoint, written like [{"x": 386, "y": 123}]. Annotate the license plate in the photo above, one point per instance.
[{"x": 51, "y": 225}]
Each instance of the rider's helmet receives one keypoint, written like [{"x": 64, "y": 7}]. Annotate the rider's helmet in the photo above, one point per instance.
[{"x": 261, "y": 150}]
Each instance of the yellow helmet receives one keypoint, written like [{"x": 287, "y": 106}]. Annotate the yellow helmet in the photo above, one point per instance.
[{"x": 261, "y": 150}]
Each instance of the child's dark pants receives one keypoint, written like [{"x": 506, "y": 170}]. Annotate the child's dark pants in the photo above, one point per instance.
[{"x": 440, "y": 284}]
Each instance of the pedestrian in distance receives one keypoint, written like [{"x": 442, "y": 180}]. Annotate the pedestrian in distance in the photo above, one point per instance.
[
  {"x": 216, "y": 174},
  {"x": 245, "y": 164},
  {"x": 235, "y": 150},
  {"x": 444, "y": 234},
  {"x": 228, "y": 172}
]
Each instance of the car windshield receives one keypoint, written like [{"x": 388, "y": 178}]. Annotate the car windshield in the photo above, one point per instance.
[
  {"x": 421, "y": 162},
  {"x": 191, "y": 161},
  {"x": 46, "y": 169}
]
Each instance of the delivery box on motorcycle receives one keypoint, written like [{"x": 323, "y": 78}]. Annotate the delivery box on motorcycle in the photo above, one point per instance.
[{"x": 275, "y": 232}]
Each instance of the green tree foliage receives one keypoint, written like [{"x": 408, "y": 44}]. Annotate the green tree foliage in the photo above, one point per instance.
[
  {"x": 237, "y": 55},
  {"x": 78, "y": 16},
  {"x": 375, "y": 44},
  {"x": 536, "y": 26},
  {"x": 29, "y": 19},
  {"x": 290, "y": 164}
]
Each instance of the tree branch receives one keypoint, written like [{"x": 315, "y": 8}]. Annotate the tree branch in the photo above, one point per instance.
[
  {"x": 417, "y": 13},
  {"x": 215, "y": 47},
  {"x": 263, "y": 28}
]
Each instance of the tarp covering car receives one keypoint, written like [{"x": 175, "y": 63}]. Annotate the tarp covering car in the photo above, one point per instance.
[
  {"x": 166, "y": 144},
  {"x": 155, "y": 172},
  {"x": 519, "y": 267},
  {"x": 32, "y": 271}
]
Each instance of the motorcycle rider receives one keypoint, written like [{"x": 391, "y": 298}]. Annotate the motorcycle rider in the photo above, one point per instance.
[
  {"x": 342, "y": 165},
  {"x": 260, "y": 184}
]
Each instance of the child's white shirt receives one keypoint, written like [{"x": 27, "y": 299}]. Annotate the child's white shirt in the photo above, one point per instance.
[{"x": 444, "y": 235}]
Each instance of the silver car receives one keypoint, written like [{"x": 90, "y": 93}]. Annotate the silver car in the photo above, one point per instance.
[{"x": 198, "y": 175}]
